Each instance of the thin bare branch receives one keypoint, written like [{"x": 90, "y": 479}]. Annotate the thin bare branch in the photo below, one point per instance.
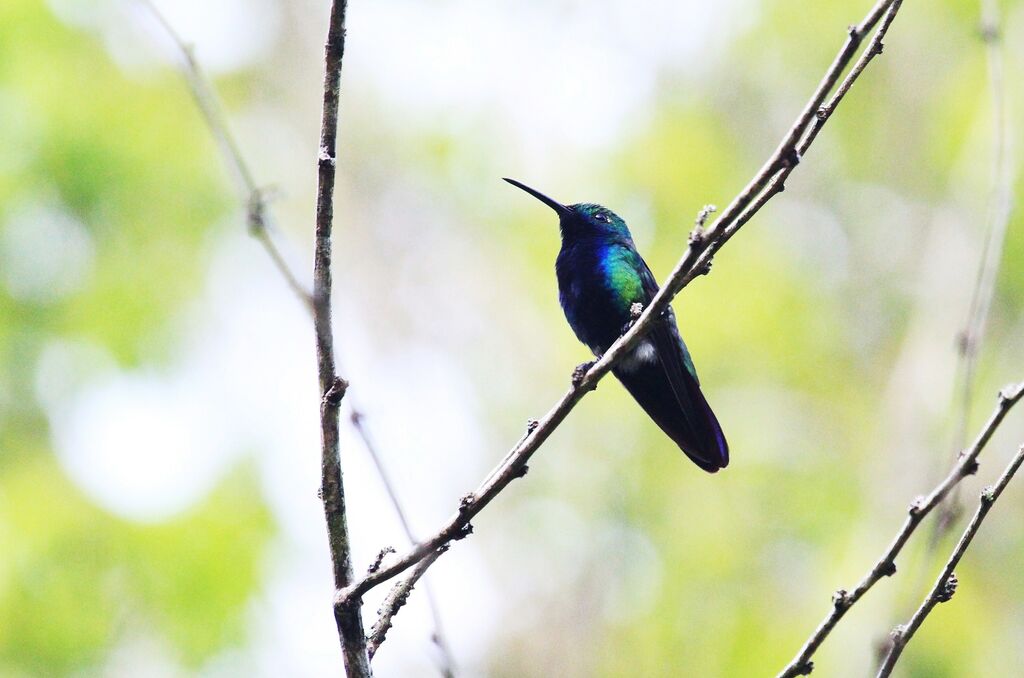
[
  {"x": 254, "y": 198},
  {"x": 999, "y": 207},
  {"x": 348, "y": 616},
  {"x": 446, "y": 657},
  {"x": 885, "y": 566},
  {"x": 1000, "y": 204},
  {"x": 945, "y": 586},
  {"x": 259, "y": 221},
  {"x": 694, "y": 262},
  {"x": 396, "y": 599}
]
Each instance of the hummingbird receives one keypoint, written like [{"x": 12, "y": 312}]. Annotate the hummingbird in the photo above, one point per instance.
[{"x": 601, "y": 277}]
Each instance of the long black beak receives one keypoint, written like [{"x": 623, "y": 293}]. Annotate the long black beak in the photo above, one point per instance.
[{"x": 561, "y": 209}]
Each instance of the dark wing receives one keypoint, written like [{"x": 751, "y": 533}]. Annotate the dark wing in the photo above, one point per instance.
[{"x": 680, "y": 409}]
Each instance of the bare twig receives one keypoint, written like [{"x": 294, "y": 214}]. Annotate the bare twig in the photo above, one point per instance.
[
  {"x": 702, "y": 247},
  {"x": 998, "y": 218},
  {"x": 259, "y": 221},
  {"x": 885, "y": 566},
  {"x": 348, "y": 616},
  {"x": 1000, "y": 203},
  {"x": 439, "y": 638},
  {"x": 947, "y": 582},
  {"x": 703, "y": 216},
  {"x": 396, "y": 599},
  {"x": 208, "y": 103}
]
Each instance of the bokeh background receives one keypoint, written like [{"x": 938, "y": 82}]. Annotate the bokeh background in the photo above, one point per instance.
[{"x": 158, "y": 406}]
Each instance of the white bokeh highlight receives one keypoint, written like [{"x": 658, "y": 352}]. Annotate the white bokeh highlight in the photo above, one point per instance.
[{"x": 46, "y": 254}]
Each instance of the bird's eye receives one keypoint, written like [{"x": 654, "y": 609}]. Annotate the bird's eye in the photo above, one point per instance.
[{"x": 603, "y": 218}]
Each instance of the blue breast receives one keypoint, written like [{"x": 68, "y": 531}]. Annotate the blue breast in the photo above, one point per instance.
[{"x": 596, "y": 287}]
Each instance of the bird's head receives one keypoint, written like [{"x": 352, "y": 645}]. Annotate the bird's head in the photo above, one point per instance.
[{"x": 583, "y": 219}]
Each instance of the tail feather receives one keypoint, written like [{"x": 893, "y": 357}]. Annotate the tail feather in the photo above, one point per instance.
[{"x": 685, "y": 417}]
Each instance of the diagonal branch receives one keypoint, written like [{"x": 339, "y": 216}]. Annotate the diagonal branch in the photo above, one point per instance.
[
  {"x": 255, "y": 198},
  {"x": 997, "y": 221},
  {"x": 999, "y": 208},
  {"x": 703, "y": 245},
  {"x": 396, "y": 599},
  {"x": 885, "y": 566},
  {"x": 945, "y": 585},
  {"x": 439, "y": 638}
]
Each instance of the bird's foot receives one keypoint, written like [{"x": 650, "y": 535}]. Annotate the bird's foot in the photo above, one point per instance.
[
  {"x": 635, "y": 311},
  {"x": 580, "y": 372}
]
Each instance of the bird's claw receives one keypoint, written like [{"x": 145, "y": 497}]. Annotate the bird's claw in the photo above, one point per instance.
[{"x": 580, "y": 372}]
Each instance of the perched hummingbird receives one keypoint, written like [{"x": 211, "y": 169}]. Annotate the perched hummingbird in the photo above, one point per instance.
[{"x": 600, "y": 277}]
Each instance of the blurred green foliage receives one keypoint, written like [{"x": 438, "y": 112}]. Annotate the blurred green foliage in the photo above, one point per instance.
[{"x": 133, "y": 164}]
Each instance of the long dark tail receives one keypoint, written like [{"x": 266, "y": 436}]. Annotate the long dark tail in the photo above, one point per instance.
[{"x": 684, "y": 416}]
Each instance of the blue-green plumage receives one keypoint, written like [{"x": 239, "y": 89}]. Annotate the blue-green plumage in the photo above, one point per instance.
[{"x": 600, "y": 276}]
